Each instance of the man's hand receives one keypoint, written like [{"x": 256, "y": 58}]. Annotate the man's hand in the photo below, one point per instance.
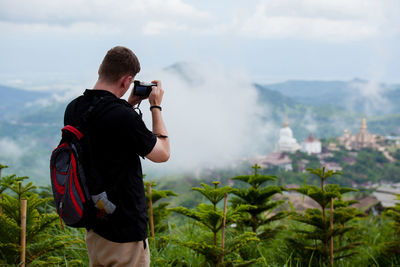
[
  {"x": 134, "y": 99},
  {"x": 156, "y": 94}
]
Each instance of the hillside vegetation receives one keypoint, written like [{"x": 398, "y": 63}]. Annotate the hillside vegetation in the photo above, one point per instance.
[
  {"x": 240, "y": 225},
  {"x": 29, "y": 133}
]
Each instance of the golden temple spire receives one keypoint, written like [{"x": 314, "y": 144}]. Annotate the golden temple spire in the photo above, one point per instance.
[
  {"x": 364, "y": 123},
  {"x": 286, "y": 123}
]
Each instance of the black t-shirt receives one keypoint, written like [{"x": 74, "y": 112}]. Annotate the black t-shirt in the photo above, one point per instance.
[{"x": 118, "y": 136}]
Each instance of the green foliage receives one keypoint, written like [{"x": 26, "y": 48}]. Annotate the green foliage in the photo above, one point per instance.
[
  {"x": 44, "y": 241},
  {"x": 394, "y": 214},
  {"x": 7, "y": 181},
  {"x": 213, "y": 194},
  {"x": 2, "y": 167},
  {"x": 310, "y": 245},
  {"x": 258, "y": 200},
  {"x": 393, "y": 248},
  {"x": 360, "y": 167},
  {"x": 300, "y": 239},
  {"x": 174, "y": 254},
  {"x": 160, "y": 211},
  {"x": 210, "y": 217},
  {"x": 375, "y": 232}
]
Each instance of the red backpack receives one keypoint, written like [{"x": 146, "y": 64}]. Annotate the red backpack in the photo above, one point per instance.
[
  {"x": 71, "y": 172},
  {"x": 68, "y": 180}
]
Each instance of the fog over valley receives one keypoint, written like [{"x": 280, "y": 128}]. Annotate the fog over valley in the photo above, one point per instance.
[{"x": 215, "y": 117}]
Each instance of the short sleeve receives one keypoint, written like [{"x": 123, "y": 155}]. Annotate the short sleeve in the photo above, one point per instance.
[{"x": 145, "y": 139}]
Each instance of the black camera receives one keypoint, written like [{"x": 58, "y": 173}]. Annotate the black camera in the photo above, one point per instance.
[{"x": 142, "y": 88}]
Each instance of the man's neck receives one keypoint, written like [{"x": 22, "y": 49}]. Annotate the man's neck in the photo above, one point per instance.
[{"x": 100, "y": 85}]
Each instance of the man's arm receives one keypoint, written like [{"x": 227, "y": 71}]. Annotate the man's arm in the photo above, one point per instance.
[{"x": 161, "y": 150}]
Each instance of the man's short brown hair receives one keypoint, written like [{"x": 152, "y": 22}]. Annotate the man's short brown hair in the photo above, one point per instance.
[{"x": 118, "y": 62}]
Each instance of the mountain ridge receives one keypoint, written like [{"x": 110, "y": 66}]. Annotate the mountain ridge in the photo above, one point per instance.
[
  {"x": 354, "y": 95},
  {"x": 36, "y": 130},
  {"x": 15, "y": 100}
]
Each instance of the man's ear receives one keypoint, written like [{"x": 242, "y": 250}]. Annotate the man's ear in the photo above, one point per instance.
[{"x": 125, "y": 81}]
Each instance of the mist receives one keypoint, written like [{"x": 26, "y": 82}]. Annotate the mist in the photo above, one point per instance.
[
  {"x": 21, "y": 152},
  {"x": 368, "y": 98},
  {"x": 309, "y": 122},
  {"x": 211, "y": 115},
  {"x": 10, "y": 148}
]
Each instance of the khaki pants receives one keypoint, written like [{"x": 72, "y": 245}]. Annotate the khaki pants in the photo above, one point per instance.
[{"x": 110, "y": 254}]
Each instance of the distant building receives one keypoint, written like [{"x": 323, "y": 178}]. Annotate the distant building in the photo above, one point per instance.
[
  {"x": 311, "y": 145},
  {"x": 394, "y": 140},
  {"x": 384, "y": 197},
  {"x": 333, "y": 147},
  {"x": 387, "y": 195},
  {"x": 326, "y": 160},
  {"x": 362, "y": 139},
  {"x": 324, "y": 156},
  {"x": 350, "y": 160},
  {"x": 302, "y": 164},
  {"x": 369, "y": 205},
  {"x": 332, "y": 166},
  {"x": 278, "y": 159},
  {"x": 287, "y": 143}
]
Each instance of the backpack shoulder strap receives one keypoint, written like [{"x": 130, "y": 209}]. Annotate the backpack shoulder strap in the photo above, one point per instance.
[{"x": 98, "y": 107}]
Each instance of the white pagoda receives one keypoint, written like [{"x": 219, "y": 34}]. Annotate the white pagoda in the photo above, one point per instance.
[{"x": 287, "y": 143}]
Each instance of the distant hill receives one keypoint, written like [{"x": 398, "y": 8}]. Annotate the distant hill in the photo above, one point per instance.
[
  {"x": 313, "y": 92},
  {"x": 316, "y": 107},
  {"x": 355, "y": 95},
  {"x": 14, "y": 100},
  {"x": 322, "y": 121},
  {"x": 29, "y": 133}
]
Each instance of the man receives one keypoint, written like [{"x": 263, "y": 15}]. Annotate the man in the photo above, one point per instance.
[{"x": 118, "y": 136}]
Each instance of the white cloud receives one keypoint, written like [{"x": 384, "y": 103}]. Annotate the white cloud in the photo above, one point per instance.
[
  {"x": 306, "y": 28},
  {"x": 368, "y": 97},
  {"x": 210, "y": 113},
  {"x": 87, "y": 28},
  {"x": 338, "y": 20},
  {"x": 308, "y": 121},
  {"x": 10, "y": 149},
  {"x": 95, "y": 16},
  {"x": 14, "y": 82},
  {"x": 160, "y": 27},
  {"x": 64, "y": 12}
]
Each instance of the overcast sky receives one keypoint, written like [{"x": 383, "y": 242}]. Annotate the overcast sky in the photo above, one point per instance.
[
  {"x": 228, "y": 45},
  {"x": 47, "y": 42}
]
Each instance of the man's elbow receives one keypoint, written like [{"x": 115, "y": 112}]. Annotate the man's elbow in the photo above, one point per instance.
[
  {"x": 160, "y": 156},
  {"x": 160, "y": 152},
  {"x": 165, "y": 157}
]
